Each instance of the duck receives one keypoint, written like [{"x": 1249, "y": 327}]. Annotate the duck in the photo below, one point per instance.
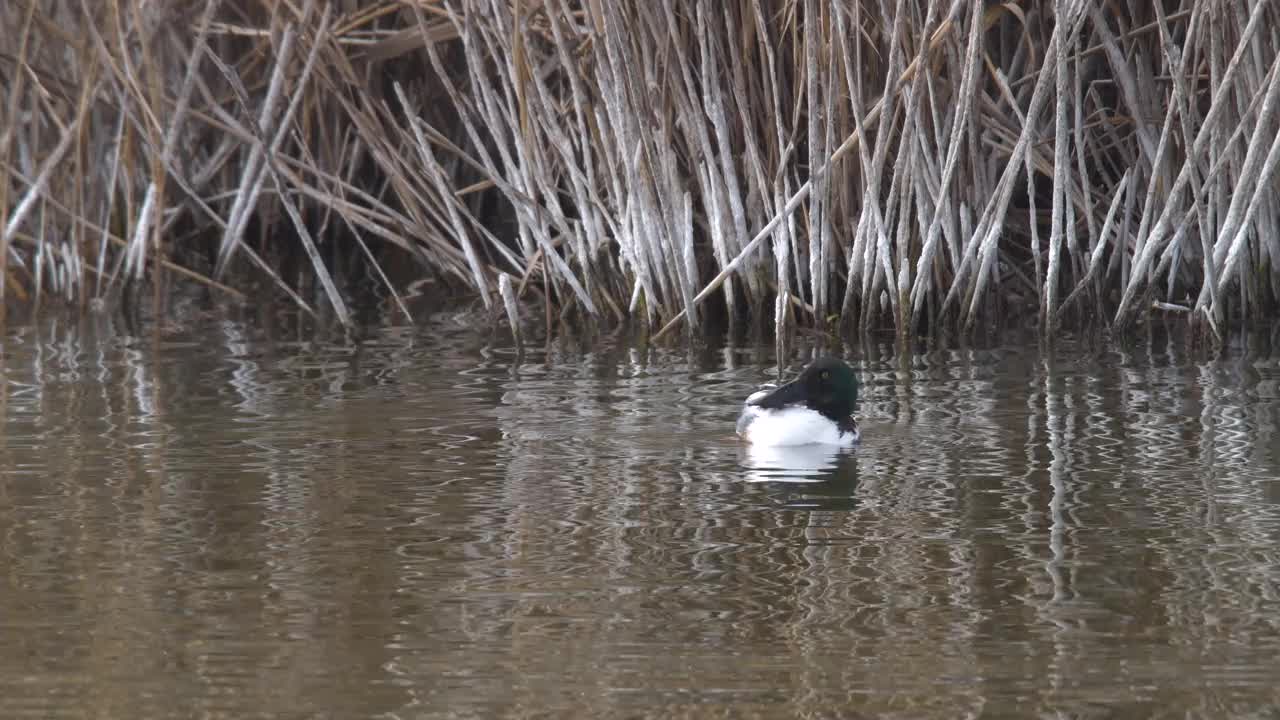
[{"x": 814, "y": 409}]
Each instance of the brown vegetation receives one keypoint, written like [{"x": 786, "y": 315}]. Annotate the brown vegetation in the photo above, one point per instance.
[{"x": 916, "y": 164}]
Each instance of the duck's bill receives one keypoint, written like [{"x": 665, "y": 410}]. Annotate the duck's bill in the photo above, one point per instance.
[{"x": 783, "y": 396}]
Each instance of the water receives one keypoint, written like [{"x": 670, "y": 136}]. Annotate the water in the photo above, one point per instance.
[{"x": 222, "y": 522}]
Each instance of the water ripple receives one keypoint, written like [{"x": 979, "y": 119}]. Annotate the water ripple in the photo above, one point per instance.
[{"x": 233, "y": 523}]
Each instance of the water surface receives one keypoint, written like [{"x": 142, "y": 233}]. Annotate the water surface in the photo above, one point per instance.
[{"x": 223, "y": 522}]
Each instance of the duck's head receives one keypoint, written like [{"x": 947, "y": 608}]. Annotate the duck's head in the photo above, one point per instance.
[{"x": 828, "y": 386}]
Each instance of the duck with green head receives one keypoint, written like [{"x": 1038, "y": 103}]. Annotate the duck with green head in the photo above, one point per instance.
[{"x": 815, "y": 408}]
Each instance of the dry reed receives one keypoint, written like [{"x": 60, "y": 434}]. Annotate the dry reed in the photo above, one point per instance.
[{"x": 918, "y": 165}]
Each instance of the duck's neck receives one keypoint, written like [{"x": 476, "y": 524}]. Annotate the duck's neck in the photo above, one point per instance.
[{"x": 847, "y": 424}]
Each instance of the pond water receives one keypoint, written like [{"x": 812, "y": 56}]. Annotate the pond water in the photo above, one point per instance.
[{"x": 227, "y": 522}]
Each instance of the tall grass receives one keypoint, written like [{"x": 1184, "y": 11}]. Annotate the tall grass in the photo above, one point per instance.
[{"x": 918, "y": 165}]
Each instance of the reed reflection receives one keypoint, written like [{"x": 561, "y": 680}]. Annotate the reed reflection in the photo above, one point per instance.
[{"x": 226, "y": 526}]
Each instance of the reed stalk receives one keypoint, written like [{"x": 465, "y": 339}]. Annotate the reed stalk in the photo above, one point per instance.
[{"x": 923, "y": 165}]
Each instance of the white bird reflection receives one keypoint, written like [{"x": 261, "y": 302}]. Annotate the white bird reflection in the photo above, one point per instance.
[{"x": 790, "y": 463}]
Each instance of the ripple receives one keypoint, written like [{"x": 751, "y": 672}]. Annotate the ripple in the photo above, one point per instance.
[{"x": 234, "y": 523}]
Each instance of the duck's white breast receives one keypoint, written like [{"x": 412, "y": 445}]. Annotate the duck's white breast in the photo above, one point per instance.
[{"x": 790, "y": 426}]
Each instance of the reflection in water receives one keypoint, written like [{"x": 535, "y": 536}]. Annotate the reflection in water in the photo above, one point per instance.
[
  {"x": 225, "y": 522},
  {"x": 791, "y": 463}
]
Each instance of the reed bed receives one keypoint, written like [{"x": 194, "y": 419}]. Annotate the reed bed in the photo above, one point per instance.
[{"x": 919, "y": 165}]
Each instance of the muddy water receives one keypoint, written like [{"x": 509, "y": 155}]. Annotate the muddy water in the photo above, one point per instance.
[{"x": 219, "y": 522}]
